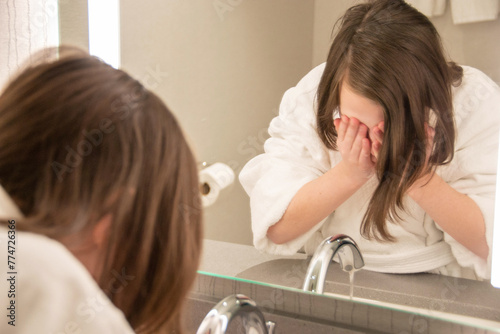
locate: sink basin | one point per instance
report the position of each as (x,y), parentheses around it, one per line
(436,296)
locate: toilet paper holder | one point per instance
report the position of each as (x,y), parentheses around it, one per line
(204,187)
(212,179)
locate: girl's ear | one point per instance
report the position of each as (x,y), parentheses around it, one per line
(100,231)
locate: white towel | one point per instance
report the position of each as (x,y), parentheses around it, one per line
(467,11)
(429,8)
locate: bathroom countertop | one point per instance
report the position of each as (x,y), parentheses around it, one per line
(230,259)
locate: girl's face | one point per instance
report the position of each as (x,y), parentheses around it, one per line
(364,110)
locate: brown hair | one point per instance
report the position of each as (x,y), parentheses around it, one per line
(80,140)
(392,54)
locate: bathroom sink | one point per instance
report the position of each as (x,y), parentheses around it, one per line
(437,296)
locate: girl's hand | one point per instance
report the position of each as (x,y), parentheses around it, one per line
(424,178)
(355,148)
(376,136)
(429,130)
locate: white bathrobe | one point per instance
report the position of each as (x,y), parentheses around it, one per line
(45,289)
(295,155)
(52,292)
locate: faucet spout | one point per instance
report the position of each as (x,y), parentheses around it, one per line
(217,320)
(350,259)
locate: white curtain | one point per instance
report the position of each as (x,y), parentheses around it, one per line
(26,26)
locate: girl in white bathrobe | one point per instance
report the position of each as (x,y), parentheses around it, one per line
(100,215)
(388,143)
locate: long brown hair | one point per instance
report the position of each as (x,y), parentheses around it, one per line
(80,140)
(392,54)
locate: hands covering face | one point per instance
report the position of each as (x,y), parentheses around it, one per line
(358,145)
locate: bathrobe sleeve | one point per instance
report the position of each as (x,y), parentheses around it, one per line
(294,155)
(474,166)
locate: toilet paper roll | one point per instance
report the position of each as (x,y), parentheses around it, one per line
(213,179)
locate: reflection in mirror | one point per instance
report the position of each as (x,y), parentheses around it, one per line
(224,62)
(223,71)
(409,170)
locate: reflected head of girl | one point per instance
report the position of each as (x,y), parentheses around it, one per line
(388,53)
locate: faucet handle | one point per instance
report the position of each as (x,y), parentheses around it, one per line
(218,318)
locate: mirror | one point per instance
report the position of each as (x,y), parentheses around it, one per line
(222,67)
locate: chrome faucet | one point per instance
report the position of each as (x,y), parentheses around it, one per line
(350,259)
(217,320)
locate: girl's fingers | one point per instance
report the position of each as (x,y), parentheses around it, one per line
(377,135)
(381,126)
(341,128)
(376,148)
(357,145)
(430,141)
(377,132)
(430,131)
(351,132)
(365,155)
(336,123)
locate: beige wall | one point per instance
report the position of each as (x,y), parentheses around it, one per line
(223,75)
(326,13)
(74,23)
(473,44)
